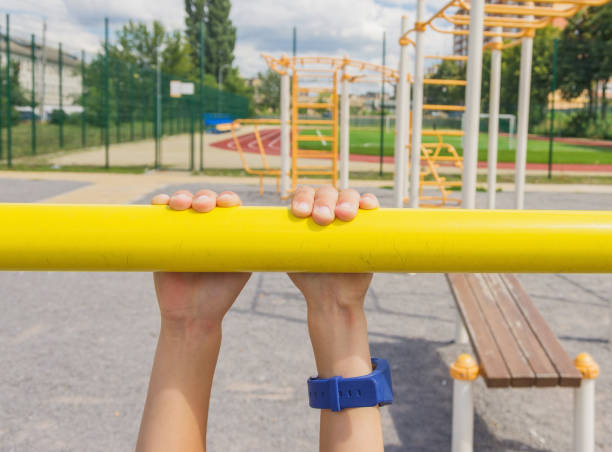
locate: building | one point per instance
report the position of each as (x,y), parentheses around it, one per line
(21,54)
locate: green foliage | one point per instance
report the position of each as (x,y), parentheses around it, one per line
(541,76)
(442,94)
(267,94)
(585,56)
(219,35)
(18,96)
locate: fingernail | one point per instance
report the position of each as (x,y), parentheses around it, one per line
(323,211)
(301,207)
(344,206)
(180,196)
(225,197)
(202,199)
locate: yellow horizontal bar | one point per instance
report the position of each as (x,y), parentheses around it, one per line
(447,57)
(314,138)
(442,81)
(444,107)
(321,105)
(442,132)
(151,238)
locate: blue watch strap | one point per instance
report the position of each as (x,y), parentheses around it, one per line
(337,393)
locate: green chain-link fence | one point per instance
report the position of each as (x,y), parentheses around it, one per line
(56,102)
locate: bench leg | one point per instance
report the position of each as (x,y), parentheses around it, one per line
(461,335)
(584,404)
(463,371)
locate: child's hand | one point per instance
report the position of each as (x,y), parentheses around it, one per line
(195,303)
(325,290)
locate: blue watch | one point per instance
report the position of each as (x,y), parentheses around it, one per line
(337,393)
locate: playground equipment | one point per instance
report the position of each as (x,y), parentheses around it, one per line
(515,22)
(323,74)
(266,170)
(144,238)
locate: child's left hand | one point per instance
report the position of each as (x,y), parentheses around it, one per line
(195,303)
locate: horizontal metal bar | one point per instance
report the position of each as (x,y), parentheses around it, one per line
(444,107)
(442,81)
(152,238)
(320,105)
(314,138)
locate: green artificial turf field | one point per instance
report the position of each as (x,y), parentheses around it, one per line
(367,141)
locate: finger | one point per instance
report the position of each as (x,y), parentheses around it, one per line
(181,200)
(325,205)
(303,200)
(160,199)
(204,201)
(228,199)
(348,204)
(368,201)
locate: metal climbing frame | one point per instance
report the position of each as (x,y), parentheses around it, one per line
(301,68)
(327,103)
(266,170)
(516,23)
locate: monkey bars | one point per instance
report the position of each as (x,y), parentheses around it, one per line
(152,238)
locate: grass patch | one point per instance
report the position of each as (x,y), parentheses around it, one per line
(367,141)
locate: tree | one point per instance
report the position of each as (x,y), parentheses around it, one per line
(541,76)
(267,94)
(585,55)
(444,94)
(219,36)
(195,15)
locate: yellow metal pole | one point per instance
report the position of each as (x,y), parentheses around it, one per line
(147,238)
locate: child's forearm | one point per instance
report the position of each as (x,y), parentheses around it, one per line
(339,336)
(176,409)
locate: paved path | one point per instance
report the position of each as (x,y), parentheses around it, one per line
(76,348)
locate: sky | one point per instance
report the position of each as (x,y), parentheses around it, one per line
(324,27)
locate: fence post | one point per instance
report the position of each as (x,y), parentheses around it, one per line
(106,96)
(33,98)
(9,151)
(158,113)
(118,101)
(83,113)
(61,95)
(191,136)
(131,106)
(201,109)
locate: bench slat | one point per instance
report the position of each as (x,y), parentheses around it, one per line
(520,371)
(492,364)
(568,374)
(544,370)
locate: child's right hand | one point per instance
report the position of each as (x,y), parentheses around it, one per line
(194,304)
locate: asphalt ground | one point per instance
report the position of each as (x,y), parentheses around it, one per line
(76,351)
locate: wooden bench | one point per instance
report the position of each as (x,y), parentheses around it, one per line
(514,345)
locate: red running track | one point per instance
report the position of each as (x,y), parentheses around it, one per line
(270,139)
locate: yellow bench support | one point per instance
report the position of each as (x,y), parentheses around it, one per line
(145,238)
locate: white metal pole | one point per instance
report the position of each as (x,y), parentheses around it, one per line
(494,118)
(584,416)
(344,132)
(584,404)
(463,416)
(285,138)
(463,371)
(417,114)
(523,118)
(401,121)
(472,105)
(461,334)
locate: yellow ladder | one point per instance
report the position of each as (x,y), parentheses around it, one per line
(302,99)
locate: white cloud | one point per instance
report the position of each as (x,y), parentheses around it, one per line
(324,27)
